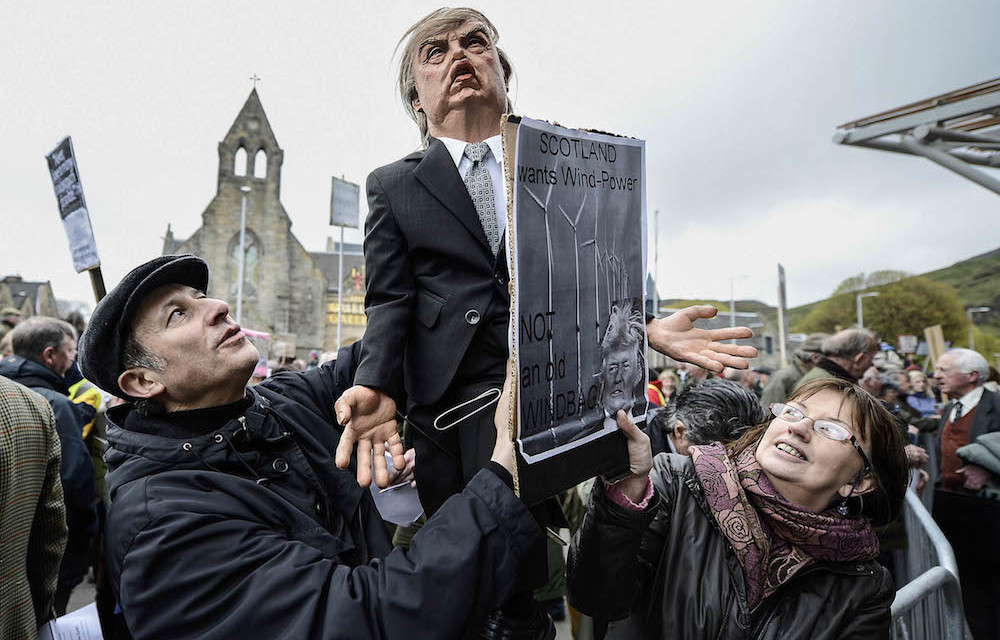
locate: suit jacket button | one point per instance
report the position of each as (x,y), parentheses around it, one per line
(472,316)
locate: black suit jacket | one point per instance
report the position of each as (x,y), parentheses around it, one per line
(985,420)
(430,274)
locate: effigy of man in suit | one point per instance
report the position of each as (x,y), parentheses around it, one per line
(437,298)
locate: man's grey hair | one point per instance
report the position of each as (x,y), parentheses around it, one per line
(967,361)
(713,410)
(435,23)
(849,343)
(31,337)
(135,356)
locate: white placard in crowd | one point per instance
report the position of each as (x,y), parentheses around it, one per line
(344,203)
(72,206)
(907,343)
(82,624)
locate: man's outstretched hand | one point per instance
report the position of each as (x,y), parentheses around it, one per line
(677,337)
(368,417)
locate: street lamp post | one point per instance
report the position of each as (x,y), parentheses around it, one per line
(656,262)
(861,316)
(970,311)
(245,189)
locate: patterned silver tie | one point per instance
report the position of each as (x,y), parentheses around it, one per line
(480,186)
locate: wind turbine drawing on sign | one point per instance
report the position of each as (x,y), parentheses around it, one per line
(612,259)
(548,255)
(576,253)
(597,281)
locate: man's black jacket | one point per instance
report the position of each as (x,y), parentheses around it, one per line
(248,529)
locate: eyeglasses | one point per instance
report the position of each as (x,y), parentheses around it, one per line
(825,428)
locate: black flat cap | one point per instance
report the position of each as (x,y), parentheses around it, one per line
(103,343)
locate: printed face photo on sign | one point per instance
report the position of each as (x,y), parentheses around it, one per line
(623,359)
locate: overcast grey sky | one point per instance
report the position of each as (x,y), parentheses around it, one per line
(738,102)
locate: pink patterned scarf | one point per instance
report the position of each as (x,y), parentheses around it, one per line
(773,538)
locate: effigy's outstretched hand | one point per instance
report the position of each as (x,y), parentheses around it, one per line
(368,417)
(677,337)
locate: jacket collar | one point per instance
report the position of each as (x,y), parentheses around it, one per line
(140,446)
(32,374)
(835,370)
(136,450)
(439,175)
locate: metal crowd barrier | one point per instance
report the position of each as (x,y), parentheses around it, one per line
(929,605)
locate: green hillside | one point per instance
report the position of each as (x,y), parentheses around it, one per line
(976,280)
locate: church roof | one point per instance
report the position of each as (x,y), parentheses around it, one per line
(251,123)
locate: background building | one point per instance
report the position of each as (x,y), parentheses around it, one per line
(353,319)
(32,298)
(285,288)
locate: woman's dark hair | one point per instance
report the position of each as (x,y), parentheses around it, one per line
(876,426)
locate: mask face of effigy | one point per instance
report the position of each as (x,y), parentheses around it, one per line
(456,70)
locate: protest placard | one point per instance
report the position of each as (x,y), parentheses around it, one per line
(578,263)
(72,206)
(344,197)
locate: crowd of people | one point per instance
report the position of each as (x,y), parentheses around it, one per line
(213,500)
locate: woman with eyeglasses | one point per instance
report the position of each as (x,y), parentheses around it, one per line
(765,537)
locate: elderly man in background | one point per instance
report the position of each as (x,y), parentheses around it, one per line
(784,380)
(847,355)
(32,514)
(963,506)
(44,350)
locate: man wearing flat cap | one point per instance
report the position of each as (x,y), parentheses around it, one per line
(229,516)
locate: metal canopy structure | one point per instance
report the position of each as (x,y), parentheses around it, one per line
(959,130)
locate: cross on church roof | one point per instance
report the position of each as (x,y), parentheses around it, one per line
(255,79)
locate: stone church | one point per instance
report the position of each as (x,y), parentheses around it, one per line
(288,292)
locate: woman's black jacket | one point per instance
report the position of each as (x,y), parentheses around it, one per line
(668,572)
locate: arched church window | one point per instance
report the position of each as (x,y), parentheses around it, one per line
(240,162)
(260,165)
(251,266)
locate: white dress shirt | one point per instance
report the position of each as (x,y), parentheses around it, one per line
(969,402)
(494,164)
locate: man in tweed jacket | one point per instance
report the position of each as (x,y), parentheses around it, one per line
(32,514)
